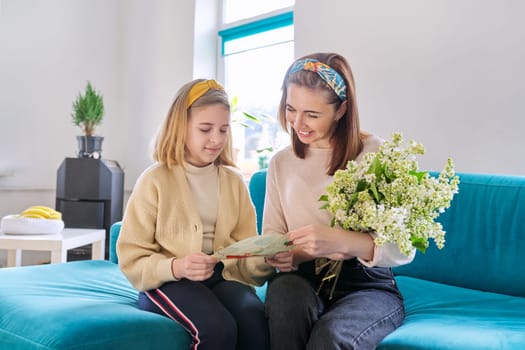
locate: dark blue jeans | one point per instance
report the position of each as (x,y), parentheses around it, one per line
(354,319)
(218,314)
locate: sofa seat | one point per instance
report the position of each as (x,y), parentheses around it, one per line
(469,295)
(440,316)
(82,305)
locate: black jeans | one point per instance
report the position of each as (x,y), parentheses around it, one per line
(218,314)
(365,307)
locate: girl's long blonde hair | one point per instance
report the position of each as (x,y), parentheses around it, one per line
(170,145)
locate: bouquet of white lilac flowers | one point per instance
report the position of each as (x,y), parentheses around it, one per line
(387,194)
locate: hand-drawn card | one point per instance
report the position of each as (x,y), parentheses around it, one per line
(263,245)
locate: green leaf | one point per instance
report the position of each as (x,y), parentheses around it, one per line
(243,124)
(378,196)
(233,103)
(377,168)
(419,243)
(389,176)
(362,185)
(418,174)
(267,116)
(251,117)
(352,200)
(260,150)
(323,198)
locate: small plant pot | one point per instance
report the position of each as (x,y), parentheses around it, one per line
(90,146)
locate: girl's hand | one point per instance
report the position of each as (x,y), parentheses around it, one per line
(282,261)
(319,241)
(195,267)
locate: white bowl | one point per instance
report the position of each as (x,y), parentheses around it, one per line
(19,225)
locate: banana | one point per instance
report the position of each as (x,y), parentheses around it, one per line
(35,211)
(55,216)
(41,212)
(32,216)
(43,207)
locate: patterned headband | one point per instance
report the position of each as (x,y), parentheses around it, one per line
(327,73)
(200,89)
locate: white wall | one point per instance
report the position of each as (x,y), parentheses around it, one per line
(447,73)
(48,51)
(156,59)
(136,52)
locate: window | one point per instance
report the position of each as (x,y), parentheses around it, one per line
(236,10)
(255,53)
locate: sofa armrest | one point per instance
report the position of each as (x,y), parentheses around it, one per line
(257,186)
(113,236)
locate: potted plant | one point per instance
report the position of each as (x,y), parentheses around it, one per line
(241,119)
(88,110)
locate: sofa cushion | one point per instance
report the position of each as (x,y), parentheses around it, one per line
(485,238)
(78,305)
(442,317)
(114,232)
(257,186)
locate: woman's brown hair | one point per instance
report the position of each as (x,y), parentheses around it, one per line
(347,140)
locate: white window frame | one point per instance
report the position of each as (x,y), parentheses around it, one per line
(248,27)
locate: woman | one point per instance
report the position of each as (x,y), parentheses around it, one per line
(309,305)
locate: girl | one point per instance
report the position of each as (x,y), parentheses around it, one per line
(184,207)
(308,307)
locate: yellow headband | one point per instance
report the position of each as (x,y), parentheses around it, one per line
(200,89)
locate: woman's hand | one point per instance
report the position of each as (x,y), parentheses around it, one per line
(319,241)
(282,261)
(195,267)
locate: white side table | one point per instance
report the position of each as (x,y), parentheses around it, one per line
(57,244)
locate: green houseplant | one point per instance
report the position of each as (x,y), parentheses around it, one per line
(248,120)
(88,111)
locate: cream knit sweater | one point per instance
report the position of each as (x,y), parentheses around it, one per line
(293,188)
(162,222)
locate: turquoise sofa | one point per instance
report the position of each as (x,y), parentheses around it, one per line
(470,295)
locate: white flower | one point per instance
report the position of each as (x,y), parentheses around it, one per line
(386,193)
